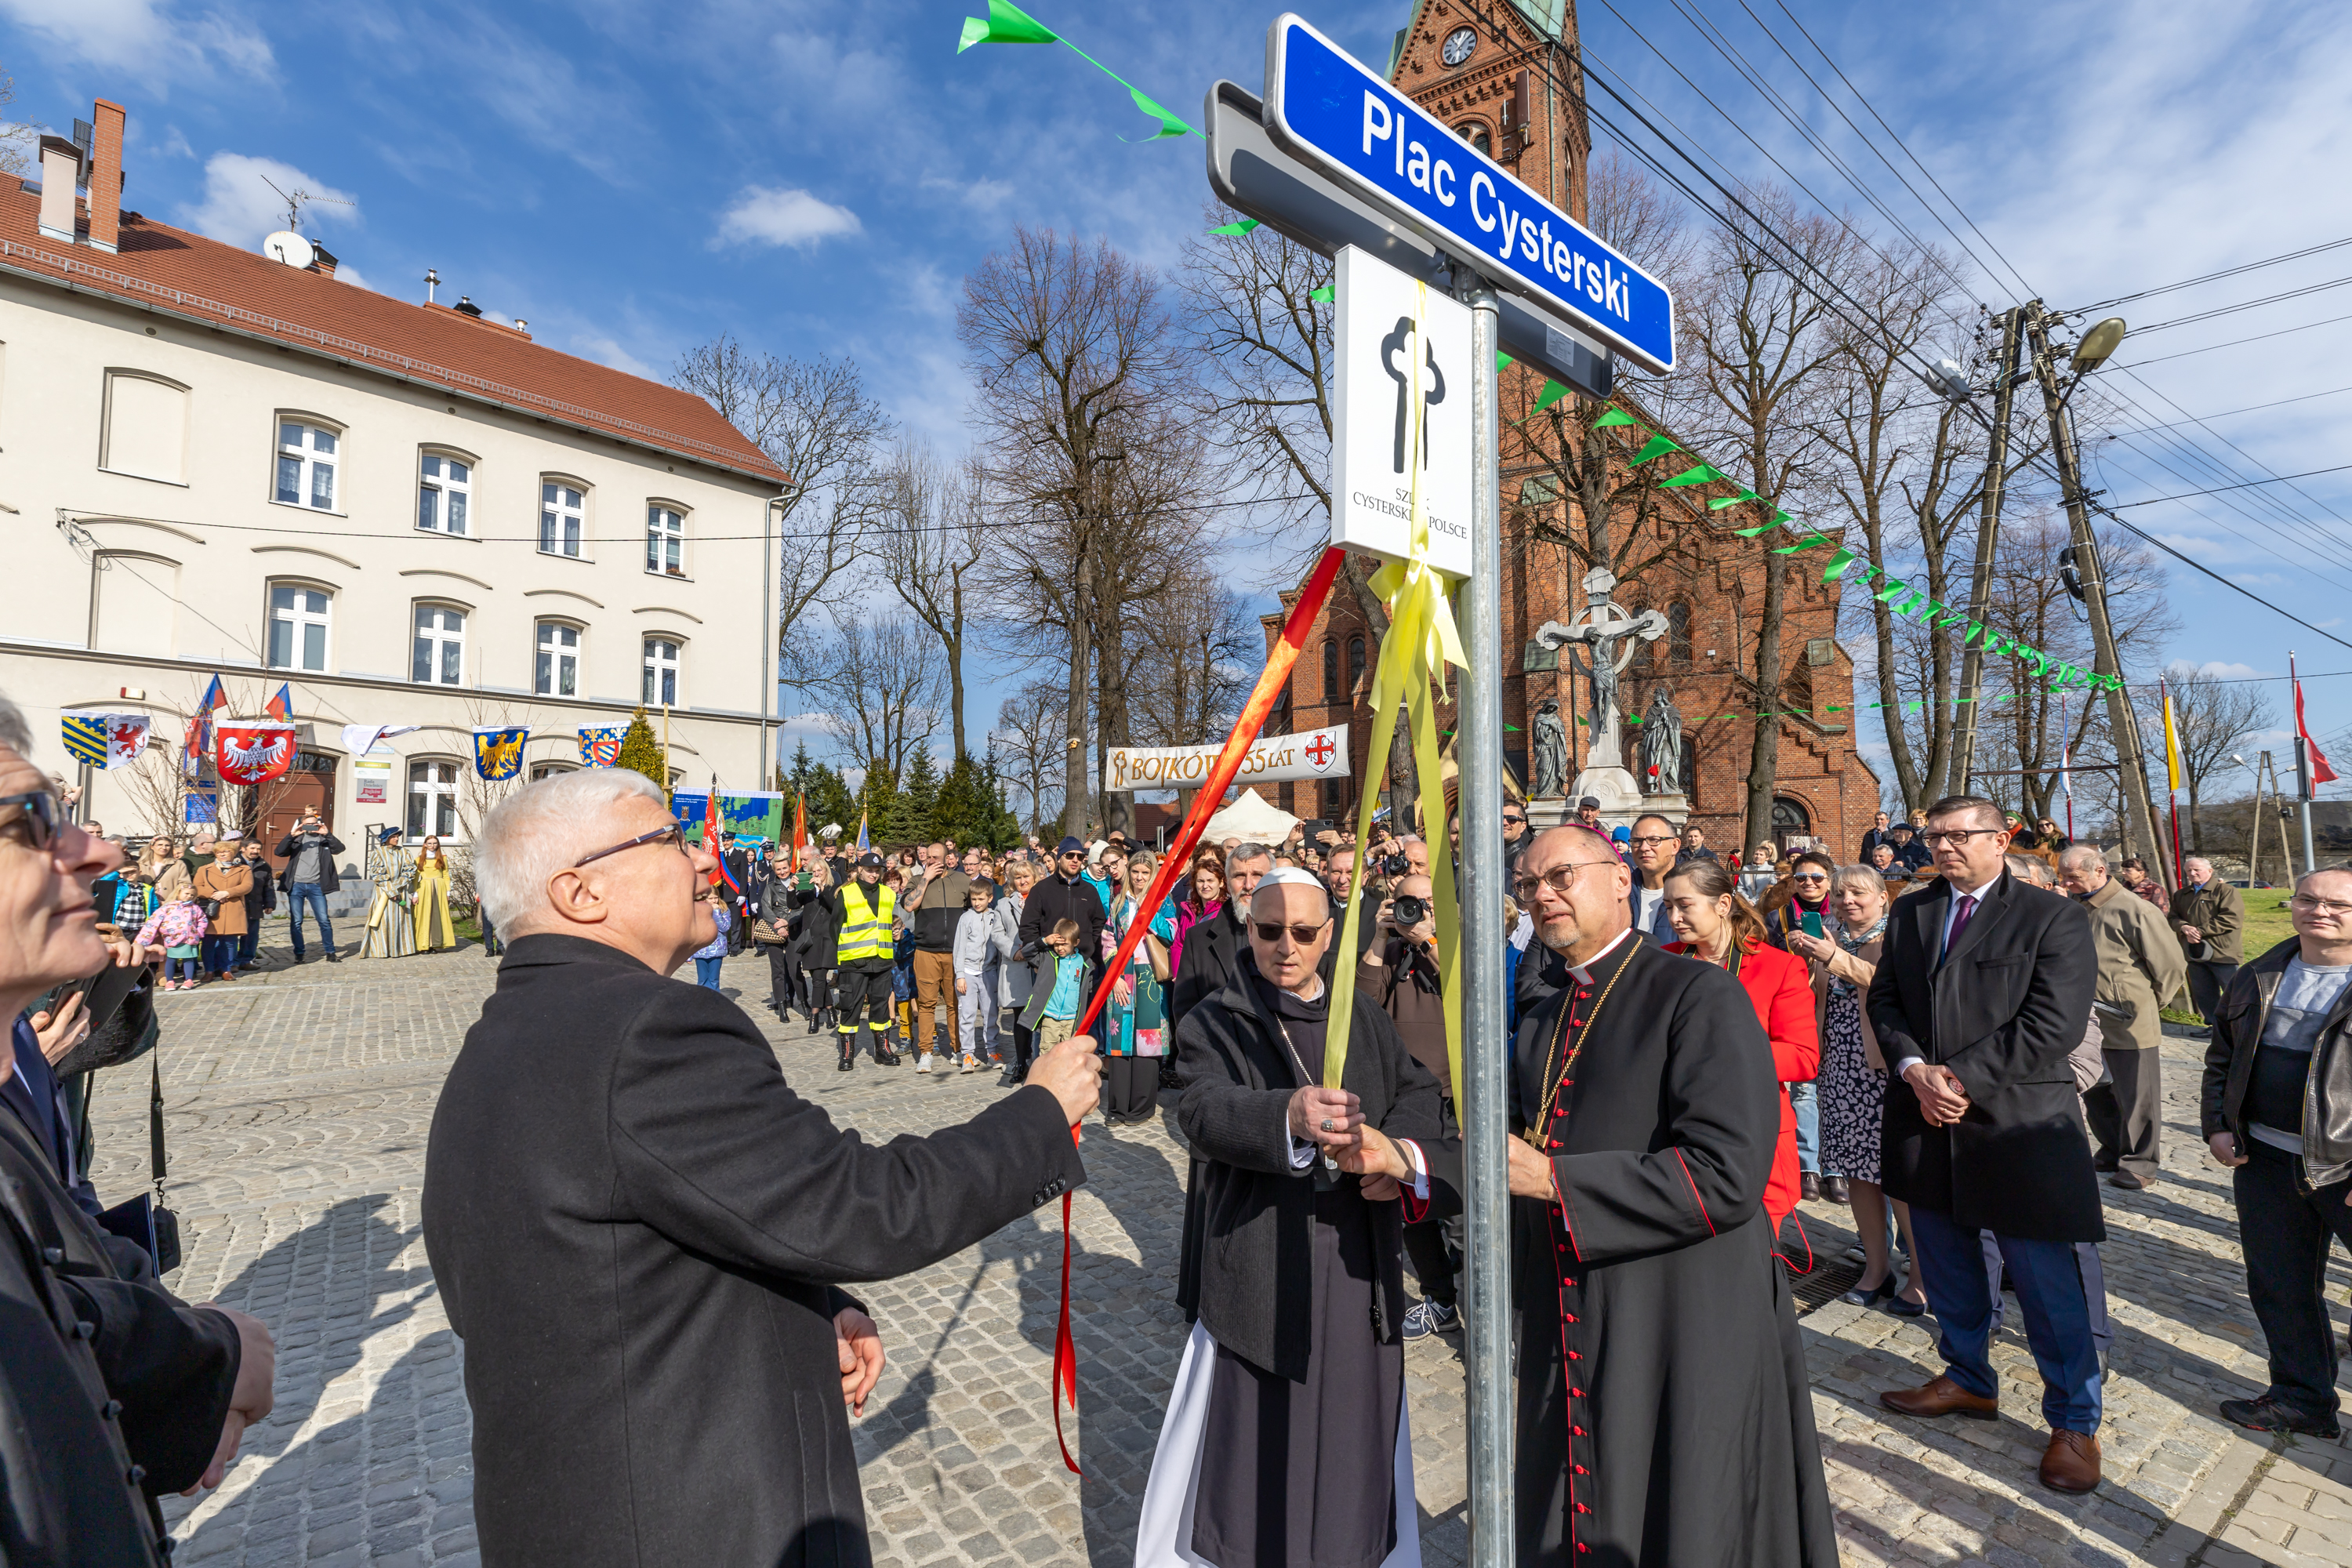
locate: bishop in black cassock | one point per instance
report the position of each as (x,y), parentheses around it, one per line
(1663,1416)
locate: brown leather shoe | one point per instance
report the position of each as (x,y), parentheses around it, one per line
(1941,1397)
(2071,1462)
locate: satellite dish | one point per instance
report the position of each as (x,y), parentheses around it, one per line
(289,248)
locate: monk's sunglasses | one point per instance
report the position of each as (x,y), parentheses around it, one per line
(672,834)
(1271,931)
(36,819)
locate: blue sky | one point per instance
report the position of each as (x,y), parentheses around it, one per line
(635,178)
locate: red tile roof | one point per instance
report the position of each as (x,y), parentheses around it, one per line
(187,275)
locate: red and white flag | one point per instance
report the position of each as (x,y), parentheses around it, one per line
(252,751)
(2320,772)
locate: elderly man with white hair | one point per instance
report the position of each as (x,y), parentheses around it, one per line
(2140,966)
(641,1232)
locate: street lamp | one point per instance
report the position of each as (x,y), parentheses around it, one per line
(2097,344)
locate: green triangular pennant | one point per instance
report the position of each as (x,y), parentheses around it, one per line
(1698,476)
(1658,447)
(1168,124)
(1237,227)
(1614,416)
(1502,363)
(1552,393)
(1006,24)
(1322,296)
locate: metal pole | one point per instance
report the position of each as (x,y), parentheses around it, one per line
(2141,832)
(1964,720)
(1485,1044)
(767,639)
(2254,835)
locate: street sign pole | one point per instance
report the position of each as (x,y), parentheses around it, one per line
(1486,1042)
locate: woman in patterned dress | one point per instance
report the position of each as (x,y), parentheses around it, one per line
(1853,1083)
(391,933)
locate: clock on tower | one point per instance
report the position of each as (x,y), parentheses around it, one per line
(1459,46)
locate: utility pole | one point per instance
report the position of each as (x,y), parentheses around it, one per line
(2140,808)
(1971,693)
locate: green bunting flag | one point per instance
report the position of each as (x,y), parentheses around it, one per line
(1552,393)
(1658,447)
(1719,502)
(1701,475)
(1237,228)
(1614,416)
(1008,24)
(1322,296)
(1502,363)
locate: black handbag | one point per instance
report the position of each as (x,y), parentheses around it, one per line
(144,1219)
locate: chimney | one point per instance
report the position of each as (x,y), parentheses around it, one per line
(106,177)
(61,158)
(323,261)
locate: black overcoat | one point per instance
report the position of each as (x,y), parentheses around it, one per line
(2002,1011)
(1664,1416)
(1254,1276)
(640,1231)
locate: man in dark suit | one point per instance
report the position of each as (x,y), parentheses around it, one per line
(1986,985)
(1212,948)
(641,1232)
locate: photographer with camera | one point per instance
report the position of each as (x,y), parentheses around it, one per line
(1400,973)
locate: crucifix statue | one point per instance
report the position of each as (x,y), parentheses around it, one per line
(1609,630)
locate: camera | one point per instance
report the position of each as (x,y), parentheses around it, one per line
(1407,912)
(1395,866)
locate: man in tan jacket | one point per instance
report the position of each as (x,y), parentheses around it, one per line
(2140,967)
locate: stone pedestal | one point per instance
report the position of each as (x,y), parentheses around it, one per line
(1620,802)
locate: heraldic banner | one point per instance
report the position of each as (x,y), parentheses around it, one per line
(601,748)
(252,750)
(497,753)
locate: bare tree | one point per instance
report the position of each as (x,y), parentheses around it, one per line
(930,551)
(1078,370)
(876,687)
(2214,718)
(1764,351)
(814,420)
(1031,726)
(1199,666)
(17,141)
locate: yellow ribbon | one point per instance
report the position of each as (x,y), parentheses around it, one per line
(1421,641)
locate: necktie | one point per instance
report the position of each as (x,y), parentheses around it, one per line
(1960,922)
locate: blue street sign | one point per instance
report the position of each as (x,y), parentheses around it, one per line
(1325,108)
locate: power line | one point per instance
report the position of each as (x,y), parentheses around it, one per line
(2246,305)
(2210,277)
(2233,343)
(2229,412)
(2248,484)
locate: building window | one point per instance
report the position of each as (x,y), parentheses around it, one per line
(298,628)
(1355,665)
(661,672)
(439,657)
(1790,819)
(561,512)
(1475,134)
(443,494)
(549,769)
(432,798)
(557,672)
(1678,643)
(664,540)
(307,455)
(1331,670)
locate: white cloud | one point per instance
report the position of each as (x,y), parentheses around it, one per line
(239,206)
(2219,669)
(175,145)
(605,350)
(766,216)
(149,41)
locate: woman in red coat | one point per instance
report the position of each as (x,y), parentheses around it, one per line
(1717,925)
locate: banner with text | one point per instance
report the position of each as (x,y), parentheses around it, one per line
(1272,759)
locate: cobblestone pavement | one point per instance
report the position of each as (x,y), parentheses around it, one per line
(298,1102)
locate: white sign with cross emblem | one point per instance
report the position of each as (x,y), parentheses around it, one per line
(1272,759)
(1378,436)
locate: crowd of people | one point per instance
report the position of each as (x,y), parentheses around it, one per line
(628,1209)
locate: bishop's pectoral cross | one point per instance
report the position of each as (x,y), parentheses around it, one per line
(1432,389)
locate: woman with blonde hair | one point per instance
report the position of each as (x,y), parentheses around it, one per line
(435,929)
(1135,1031)
(1853,1080)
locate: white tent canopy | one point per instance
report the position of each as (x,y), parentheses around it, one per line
(1248,816)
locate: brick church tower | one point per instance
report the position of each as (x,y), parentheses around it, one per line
(1707,582)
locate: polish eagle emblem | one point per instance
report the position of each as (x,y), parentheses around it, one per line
(253,754)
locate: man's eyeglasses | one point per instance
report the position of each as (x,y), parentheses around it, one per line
(1560,878)
(1958,838)
(1652,840)
(2305,904)
(674,835)
(1304,936)
(37,814)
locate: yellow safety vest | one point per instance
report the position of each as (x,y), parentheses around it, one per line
(865,930)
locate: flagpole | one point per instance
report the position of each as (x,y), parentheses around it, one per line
(2067,761)
(2303,769)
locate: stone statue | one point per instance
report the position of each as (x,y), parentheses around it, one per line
(1550,756)
(1610,632)
(1662,746)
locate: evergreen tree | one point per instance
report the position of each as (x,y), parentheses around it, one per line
(641,752)
(878,800)
(920,798)
(830,801)
(971,809)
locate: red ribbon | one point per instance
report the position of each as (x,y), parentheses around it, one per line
(1262,698)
